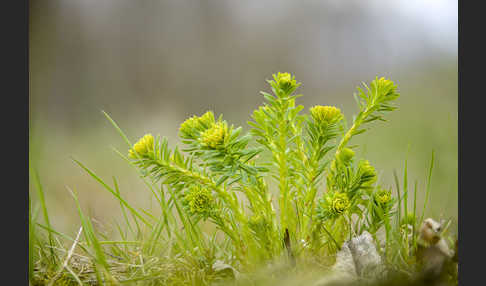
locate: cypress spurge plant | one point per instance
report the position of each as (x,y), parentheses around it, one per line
(218,175)
(290,188)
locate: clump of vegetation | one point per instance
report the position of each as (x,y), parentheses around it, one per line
(283,197)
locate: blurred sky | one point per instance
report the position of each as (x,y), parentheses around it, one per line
(151,64)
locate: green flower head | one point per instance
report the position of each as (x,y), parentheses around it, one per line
(325,114)
(333,205)
(206,120)
(214,137)
(193,126)
(189,126)
(199,200)
(368,173)
(345,155)
(143,147)
(285,81)
(386,86)
(340,203)
(383,197)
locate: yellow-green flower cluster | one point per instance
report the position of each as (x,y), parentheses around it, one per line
(340,203)
(143,147)
(214,137)
(285,81)
(387,86)
(200,200)
(333,205)
(193,126)
(188,125)
(383,197)
(368,173)
(325,114)
(205,130)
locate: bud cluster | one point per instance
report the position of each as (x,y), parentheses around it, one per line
(199,200)
(143,147)
(333,204)
(215,136)
(193,126)
(325,114)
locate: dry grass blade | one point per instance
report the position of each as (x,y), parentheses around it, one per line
(68,257)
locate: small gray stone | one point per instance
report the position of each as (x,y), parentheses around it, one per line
(367,260)
(343,271)
(223,268)
(358,259)
(345,261)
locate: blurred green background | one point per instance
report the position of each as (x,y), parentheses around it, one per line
(151,64)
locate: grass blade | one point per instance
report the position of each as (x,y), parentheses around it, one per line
(414,214)
(40,192)
(92,240)
(68,257)
(428,186)
(405,197)
(405,186)
(117,129)
(122,207)
(399,213)
(92,174)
